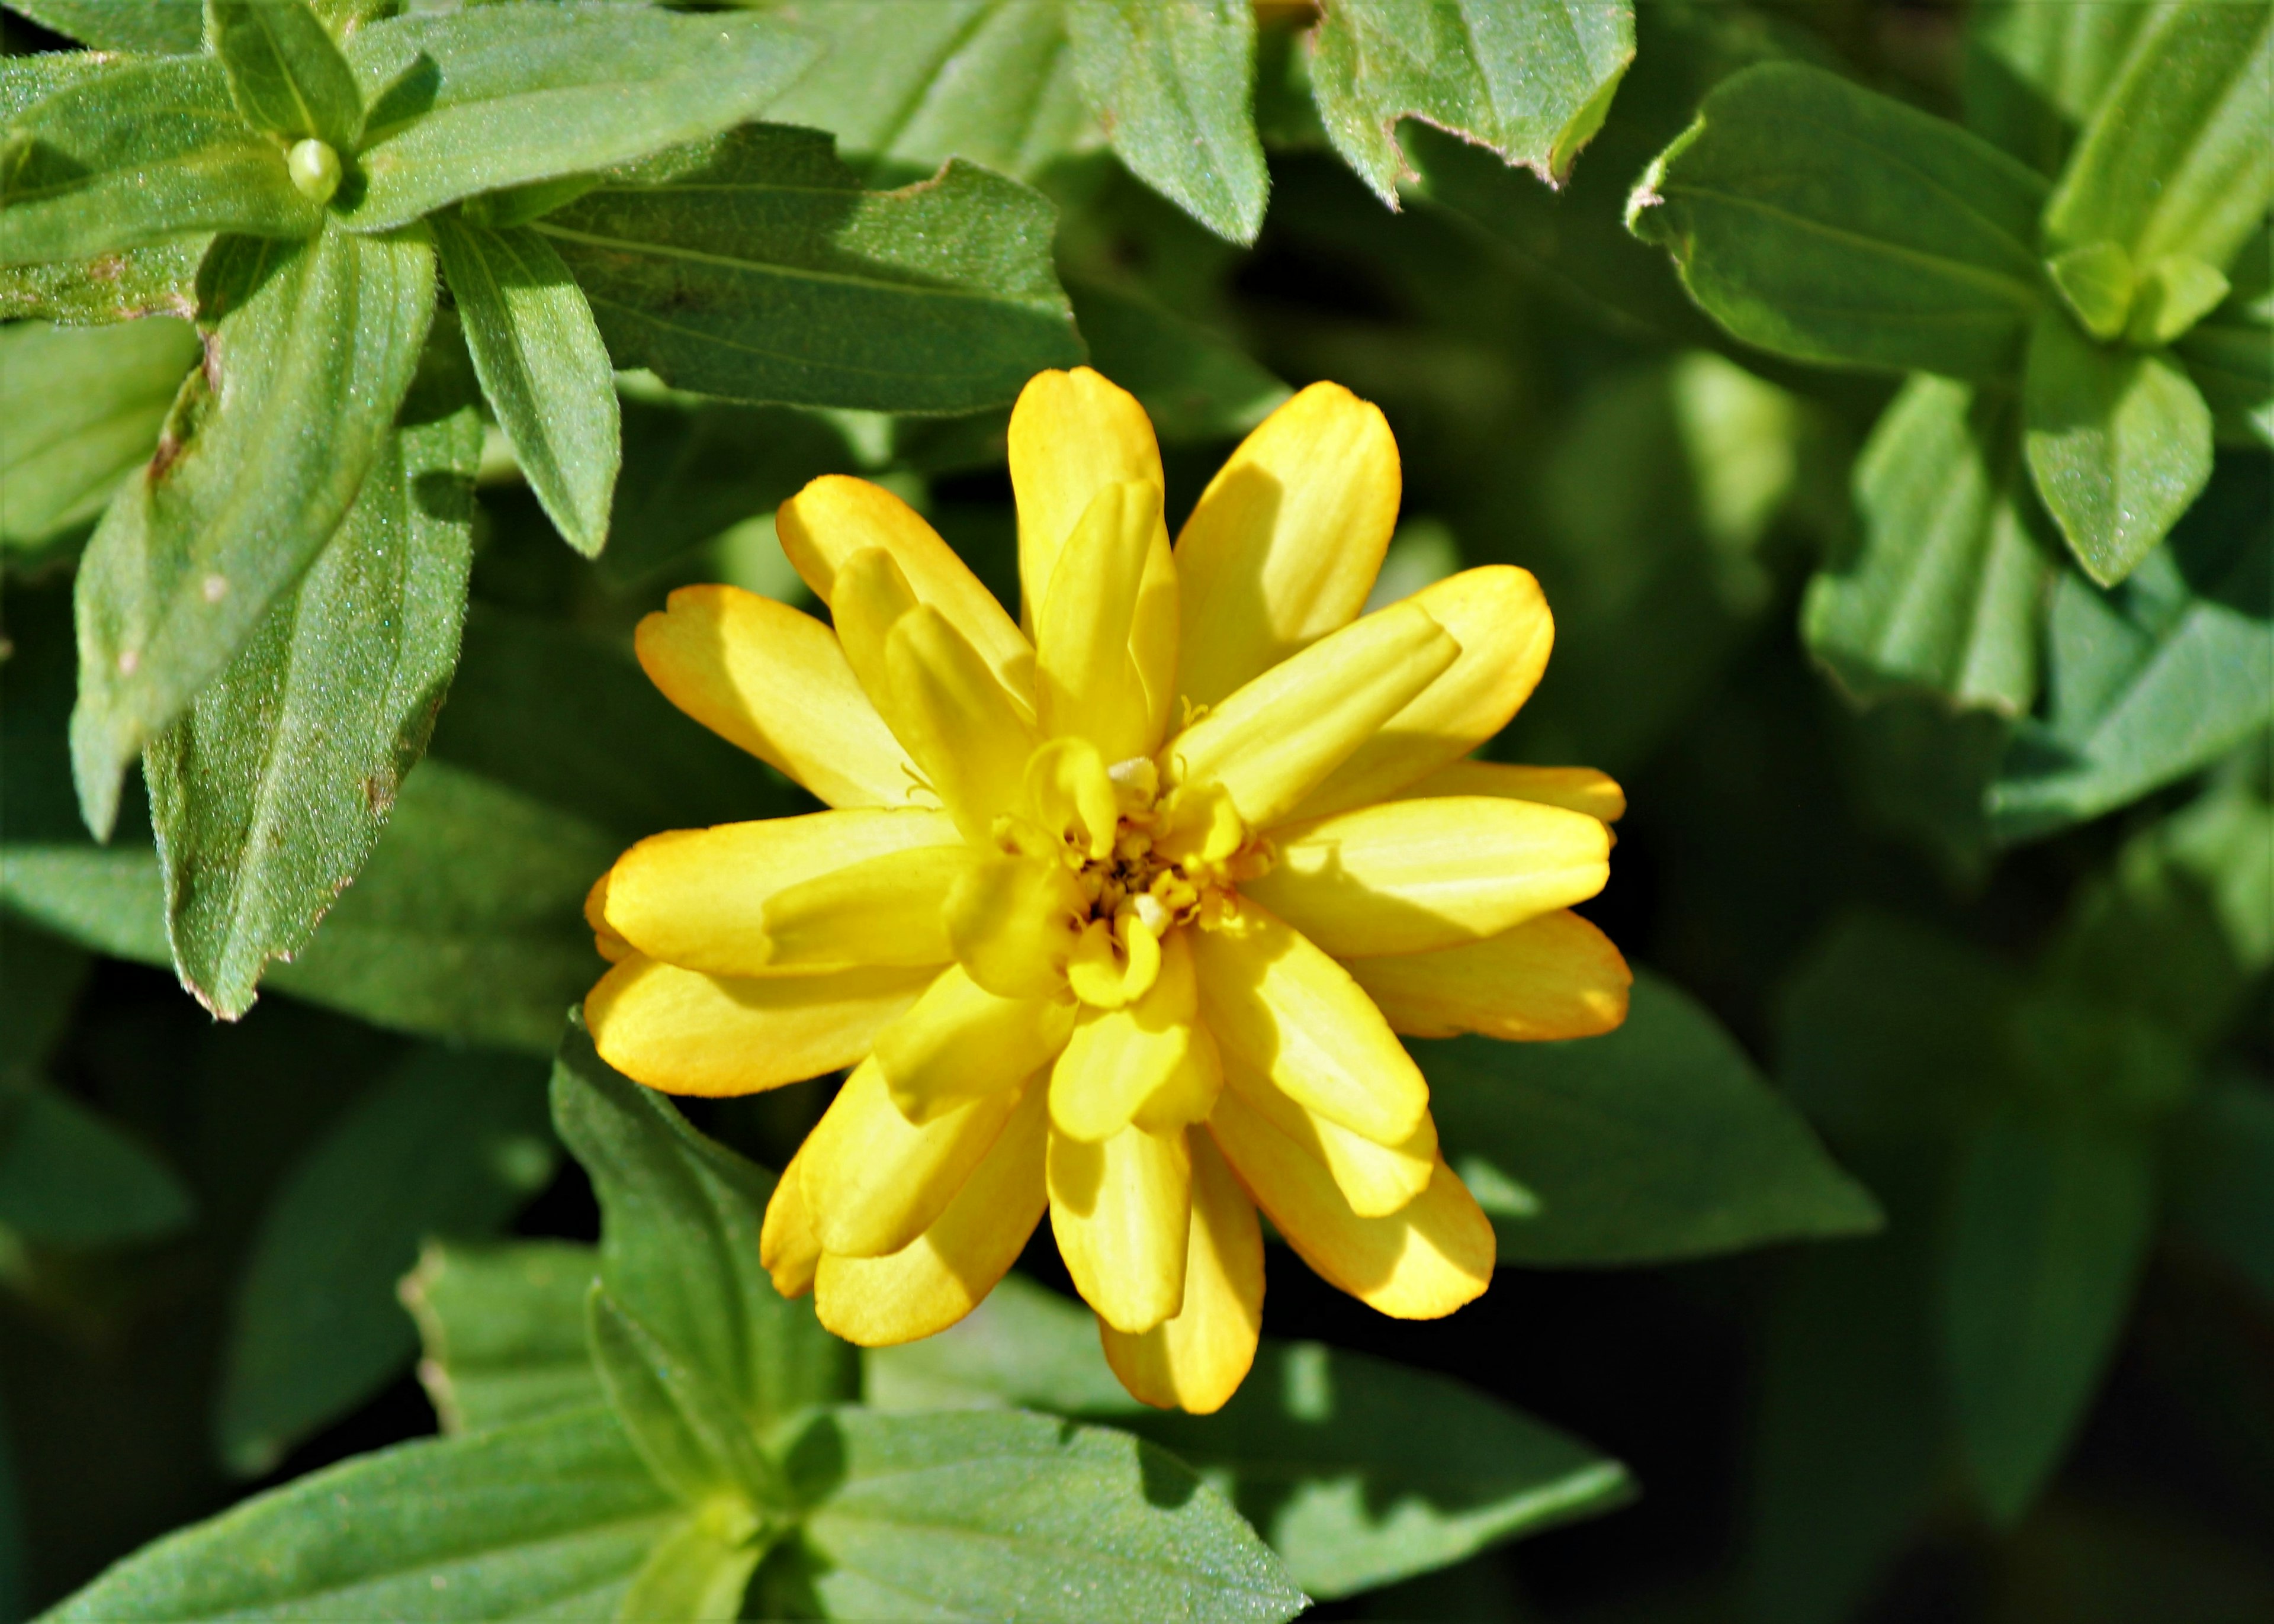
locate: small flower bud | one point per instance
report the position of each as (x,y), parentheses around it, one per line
(315,169)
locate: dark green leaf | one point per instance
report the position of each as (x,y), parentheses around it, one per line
(157,280)
(1174,87)
(1194,385)
(503,95)
(145,151)
(451,1143)
(69,1178)
(2119,443)
(1948,585)
(2178,156)
(162,27)
(311,348)
(270,791)
(2233,364)
(15,1557)
(2222,1175)
(550,1518)
(503,1327)
(1659,1140)
(680,1221)
(694,1439)
(288,75)
(543,367)
(2035,70)
(1532,82)
(1002,1515)
(767,274)
(40,979)
(83,408)
(2049,1227)
(1822,221)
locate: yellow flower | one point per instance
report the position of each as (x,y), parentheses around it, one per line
(1118,911)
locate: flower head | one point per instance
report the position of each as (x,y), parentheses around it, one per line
(1119,909)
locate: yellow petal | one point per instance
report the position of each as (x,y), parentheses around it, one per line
(1375,1179)
(1015,922)
(1114,964)
(889,909)
(686,1033)
(788,1247)
(966,736)
(1086,681)
(697,897)
(1121,1209)
(1500,621)
(835,518)
(1285,542)
(1071,799)
(1197,1360)
(774,681)
(944,1273)
(1275,1000)
(1272,742)
(873,1181)
(960,1042)
(1554,977)
(1120,1062)
(1406,877)
(1580,789)
(1071,435)
(611,946)
(1420,1262)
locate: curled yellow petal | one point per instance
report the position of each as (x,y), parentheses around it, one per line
(788,1249)
(1406,877)
(889,909)
(1275,1000)
(1015,922)
(960,1042)
(1197,1359)
(1114,963)
(697,897)
(873,1181)
(1088,684)
(1284,544)
(1375,1179)
(686,1033)
(1273,741)
(1579,789)
(611,946)
(1420,1262)
(1121,1208)
(1555,976)
(944,1273)
(1147,1057)
(1500,619)
(775,682)
(957,721)
(1071,435)
(1071,799)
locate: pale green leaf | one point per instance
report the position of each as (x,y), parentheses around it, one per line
(269,792)
(1656,1141)
(1174,86)
(309,349)
(142,152)
(2117,440)
(157,280)
(69,1178)
(766,274)
(162,28)
(451,1143)
(26,81)
(2229,353)
(2222,1175)
(1824,223)
(543,367)
(1531,80)
(2035,70)
(547,1520)
(503,95)
(1947,586)
(694,1574)
(83,408)
(287,73)
(695,1440)
(2178,156)
(502,1330)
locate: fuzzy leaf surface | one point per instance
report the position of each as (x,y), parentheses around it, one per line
(288,75)
(158,27)
(502,1328)
(83,409)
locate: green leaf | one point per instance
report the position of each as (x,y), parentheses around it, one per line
(448,1142)
(680,1220)
(992,1515)
(2118,442)
(542,367)
(2100,284)
(287,74)
(2178,156)
(142,152)
(2221,1176)
(767,274)
(503,95)
(2155,679)
(83,409)
(1532,82)
(1174,86)
(41,981)
(1945,591)
(2229,353)
(311,348)
(2035,70)
(553,1517)
(162,28)
(695,1572)
(1194,385)
(270,791)
(1824,223)
(1659,1140)
(69,1178)
(2050,1224)
(157,280)
(502,1329)
(695,1440)
(1025,1347)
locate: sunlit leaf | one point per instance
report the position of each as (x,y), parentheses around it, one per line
(173,27)
(502,1329)
(2035,70)
(83,408)
(288,75)
(693,1438)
